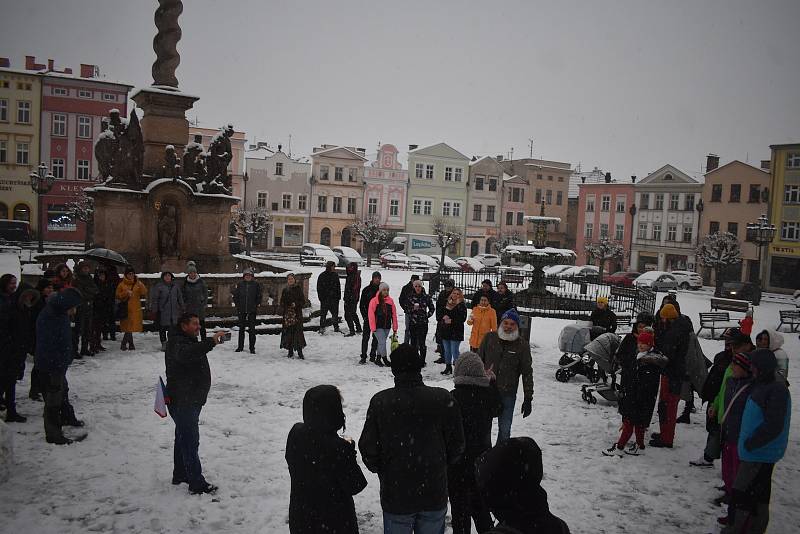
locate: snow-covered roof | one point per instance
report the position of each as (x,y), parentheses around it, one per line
(471,163)
(541,218)
(161,90)
(83,79)
(528,249)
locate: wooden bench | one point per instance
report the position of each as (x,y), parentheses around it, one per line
(730,305)
(791,318)
(715,321)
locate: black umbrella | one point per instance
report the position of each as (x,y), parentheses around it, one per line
(107,255)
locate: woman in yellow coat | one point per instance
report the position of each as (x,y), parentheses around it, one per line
(130,290)
(483,320)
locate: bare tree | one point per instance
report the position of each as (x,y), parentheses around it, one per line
(372,234)
(447,235)
(603,251)
(82,208)
(251,223)
(719,251)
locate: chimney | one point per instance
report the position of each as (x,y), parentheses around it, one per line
(30,64)
(280,147)
(87,71)
(5,63)
(712,162)
(499,157)
(608,177)
(633,179)
(361,150)
(765,164)
(583,179)
(412,147)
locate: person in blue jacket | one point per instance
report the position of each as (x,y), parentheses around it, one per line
(763,436)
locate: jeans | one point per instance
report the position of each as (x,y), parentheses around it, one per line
(248,321)
(418,523)
(350,316)
(418,334)
(381,334)
(331,306)
(366,335)
(407,329)
(451,350)
(506,417)
(187,440)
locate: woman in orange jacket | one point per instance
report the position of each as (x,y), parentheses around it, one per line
(483,320)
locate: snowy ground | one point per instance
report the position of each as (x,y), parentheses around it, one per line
(118,479)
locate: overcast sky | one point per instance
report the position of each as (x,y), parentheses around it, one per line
(625,85)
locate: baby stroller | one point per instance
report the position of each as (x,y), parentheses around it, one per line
(572,343)
(602,351)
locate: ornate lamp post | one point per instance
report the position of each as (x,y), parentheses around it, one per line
(761,233)
(632,210)
(699,207)
(42,181)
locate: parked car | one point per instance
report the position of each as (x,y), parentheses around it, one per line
(449,263)
(394,259)
(423,261)
(347,256)
(621,278)
(580,272)
(553,270)
(489,260)
(688,279)
(14,231)
(316,254)
(657,281)
(470,265)
(742,291)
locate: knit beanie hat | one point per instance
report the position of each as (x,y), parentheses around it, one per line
(405,359)
(742,360)
(191,267)
(646,338)
(377,275)
(469,370)
(602,300)
(248,270)
(511,314)
(669,312)
(383,286)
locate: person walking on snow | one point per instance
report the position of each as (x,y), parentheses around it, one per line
(247,298)
(382,318)
(329,292)
(405,292)
(421,309)
(483,320)
(292,302)
(451,328)
(508,356)
(352,290)
(367,294)
(166,305)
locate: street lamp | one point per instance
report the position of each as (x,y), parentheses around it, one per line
(761,233)
(41,182)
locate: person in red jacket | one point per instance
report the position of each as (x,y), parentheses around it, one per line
(746,324)
(382,315)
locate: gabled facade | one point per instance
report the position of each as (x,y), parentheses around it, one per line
(385,189)
(483,206)
(515,206)
(438,176)
(337,194)
(666,223)
(784,252)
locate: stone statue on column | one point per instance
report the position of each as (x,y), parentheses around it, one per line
(165,43)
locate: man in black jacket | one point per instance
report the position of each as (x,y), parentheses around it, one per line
(411,434)
(188,383)
(247,297)
(367,294)
(485,291)
(405,293)
(352,290)
(329,292)
(672,340)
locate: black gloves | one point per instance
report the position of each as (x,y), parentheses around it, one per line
(526,407)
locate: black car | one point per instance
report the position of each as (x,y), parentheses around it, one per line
(742,291)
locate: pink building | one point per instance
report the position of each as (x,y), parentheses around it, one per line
(385,186)
(515,205)
(604,211)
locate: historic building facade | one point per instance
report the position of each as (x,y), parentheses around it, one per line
(604,212)
(515,204)
(484,214)
(385,189)
(784,252)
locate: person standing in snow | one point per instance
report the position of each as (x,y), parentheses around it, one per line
(292,302)
(478,403)
(421,309)
(131,291)
(451,321)
(406,291)
(323,468)
(247,298)
(412,432)
(16,329)
(352,290)
(102,308)
(483,320)
(45,288)
(329,292)
(188,384)
(485,291)
(508,356)
(746,324)
(672,340)
(82,333)
(773,340)
(603,317)
(382,319)
(166,305)
(62,278)
(509,479)
(505,300)
(441,301)
(195,295)
(367,294)
(763,437)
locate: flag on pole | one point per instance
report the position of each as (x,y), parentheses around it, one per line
(160,405)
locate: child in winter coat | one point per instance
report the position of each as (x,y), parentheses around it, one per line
(746,324)
(773,340)
(483,320)
(382,318)
(640,399)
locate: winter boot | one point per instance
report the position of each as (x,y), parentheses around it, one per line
(448,370)
(684,418)
(252,350)
(614,450)
(239,349)
(208,488)
(113,336)
(300,354)
(13,417)
(124,345)
(350,334)
(377,361)
(634,450)
(658,443)
(291,354)
(105,336)
(59,440)
(702,462)
(363,359)
(440,360)
(386,361)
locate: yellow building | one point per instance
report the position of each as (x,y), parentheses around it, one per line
(784,252)
(20,98)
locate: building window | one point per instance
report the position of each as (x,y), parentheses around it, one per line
(605,203)
(417,207)
(429,172)
(517,194)
(418,169)
(736,192)
(352,175)
(338,174)
(22,153)
(672,232)
(793,161)
(659,201)
(261,199)
(109,97)
(3,109)
(445,208)
(59,91)
(394,208)
(642,231)
(674,202)
(548,196)
(550,178)
(23,112)
(325,237)
(476,212)
(492,183)
(458,174)
(489,213)
(286,201)
(351,206)
(733,227)
(22,212)
(322,204)
(538,196)
(689,203)
(372,206)
(790,230)
(83,169)
(509,218)
(559,198)
(520,220)
(657,232)
(791,194)
(619,232)
(603,230)
(713,227)
(292,235)
(84,93)
(590,203)
(479,183)
(57,167)
(59,219)
(755,194)
(644,201)
(84,127)
(59,124)
(427,207)
(278,168)
(716,193)
(589,231)
(301,202)
(620,205)
(323,172)
(560,179)
(448,174)
(3,153)
(337,204)
(687,234)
